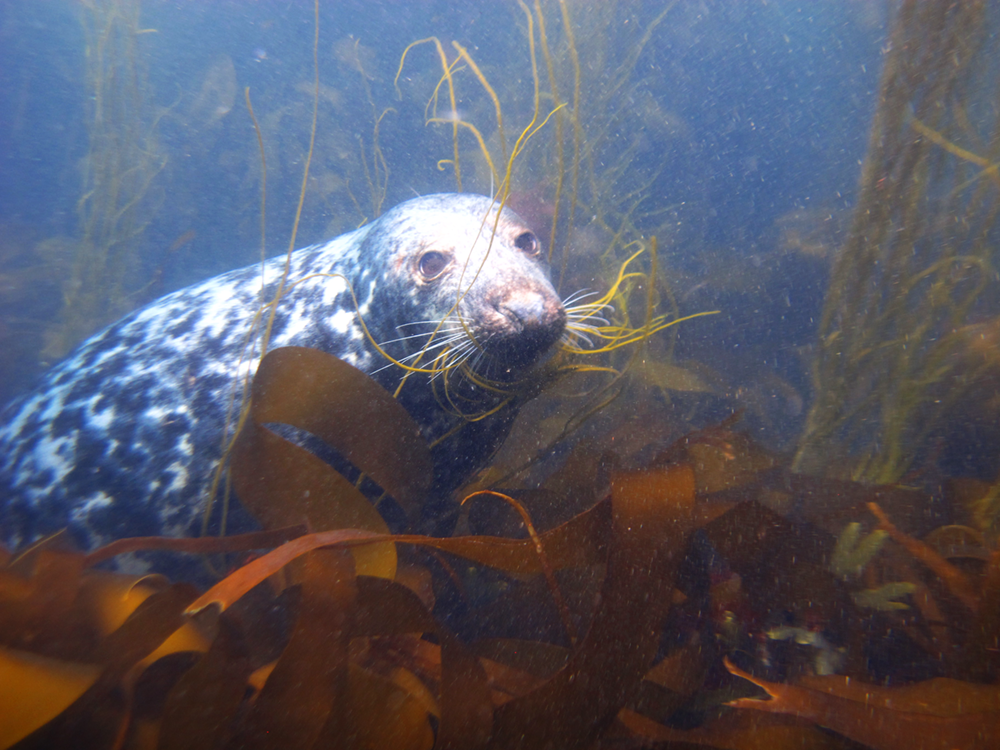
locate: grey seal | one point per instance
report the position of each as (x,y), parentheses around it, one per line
(122,438)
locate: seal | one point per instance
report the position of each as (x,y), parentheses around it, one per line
(123,437)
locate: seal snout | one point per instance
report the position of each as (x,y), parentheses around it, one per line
(527,323)
(530,311)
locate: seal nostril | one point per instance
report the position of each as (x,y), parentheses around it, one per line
(527,310)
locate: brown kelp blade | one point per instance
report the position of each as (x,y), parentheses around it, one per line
(313,697)
(873,718)
(957,582)
(208,545)
(282,484)
(304,697)
(580,541)
(199,709)
(343,407)
(647,519)
(652,514)
(384,715)
(39,688)
(754,731)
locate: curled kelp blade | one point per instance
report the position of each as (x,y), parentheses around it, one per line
(365,657)
(304,697)
(640,532)
(207,545)
(198,709)
(350,412)
(652,513)
(316,697)
(581,541)
(935,715)
(281,483)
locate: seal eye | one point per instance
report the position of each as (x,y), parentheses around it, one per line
(432,264)
(527,243)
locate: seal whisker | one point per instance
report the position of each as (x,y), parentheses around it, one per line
(482,354)
(460,352)
(583,312)
(383,367)
(423,335)
(449,360)
(454,358)
(589,308)
(424,350)
(436,345)
(577,296)
(578,320)
(450,319)
(572,337)
(478,359)
(588,327)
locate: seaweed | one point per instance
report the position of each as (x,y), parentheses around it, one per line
(604,605)
(890,368)
(331,632)
(310,695)
(120,192)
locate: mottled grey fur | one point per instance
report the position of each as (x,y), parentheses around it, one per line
(122,438)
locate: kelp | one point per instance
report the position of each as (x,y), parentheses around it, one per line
(308,696)
(592,343)
(319,637)
(936,715)
(313,493)
(912,275)
(120,194)
(674,584)
(603,332)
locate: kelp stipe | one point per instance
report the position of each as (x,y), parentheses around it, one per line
(120,193)
(891,366)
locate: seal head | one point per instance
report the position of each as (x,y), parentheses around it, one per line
(461,277)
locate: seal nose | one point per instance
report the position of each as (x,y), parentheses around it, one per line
(525,323)
(534,312)
(526,309)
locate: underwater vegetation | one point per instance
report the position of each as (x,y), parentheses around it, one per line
(615,581)
(120,194)
(606,330)
(918,268)
(610,629)
(572,158)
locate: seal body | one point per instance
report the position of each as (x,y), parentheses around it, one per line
(123,437)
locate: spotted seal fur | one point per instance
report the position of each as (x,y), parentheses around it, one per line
(122,438)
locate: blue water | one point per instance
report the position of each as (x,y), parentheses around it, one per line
(769,106)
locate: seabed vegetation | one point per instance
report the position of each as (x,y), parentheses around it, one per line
(611,582)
